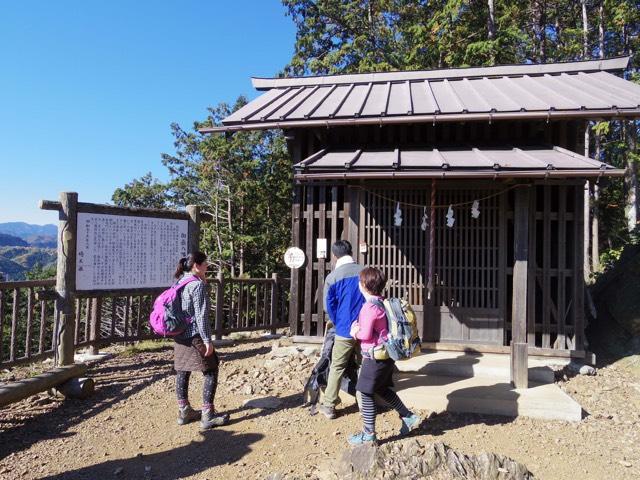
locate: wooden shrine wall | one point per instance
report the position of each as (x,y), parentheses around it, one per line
(471,300)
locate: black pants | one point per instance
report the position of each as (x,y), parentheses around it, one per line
(208,389)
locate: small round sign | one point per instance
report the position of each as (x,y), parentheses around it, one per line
(294,257)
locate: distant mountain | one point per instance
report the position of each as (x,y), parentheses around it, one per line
(10,270)
(25,230)
(26,235)
(16,261)
(12,241)
(42,241)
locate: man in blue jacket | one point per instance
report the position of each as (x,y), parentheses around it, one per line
(342,302)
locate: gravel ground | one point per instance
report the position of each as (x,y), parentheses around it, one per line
(127,429)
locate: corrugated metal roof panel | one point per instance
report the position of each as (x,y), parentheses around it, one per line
(612,97)
(510,92)
(420,159)
(608,82)
(332,103)
(375,159)
(400,99)
(354,101)
(530,159)
(376,103)
(423,99)
(255,106)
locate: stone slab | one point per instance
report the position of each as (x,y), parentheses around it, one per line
(461,364)
(486,395)
(88,358)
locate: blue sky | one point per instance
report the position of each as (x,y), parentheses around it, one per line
(88,89)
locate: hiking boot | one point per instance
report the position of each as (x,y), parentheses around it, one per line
(410,423)
(329,412)
(212,419)
(362,438)
(187,414)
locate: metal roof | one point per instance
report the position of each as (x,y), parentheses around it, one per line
(467,163)
(577,89)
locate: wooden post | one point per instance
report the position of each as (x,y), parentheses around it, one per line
(519,352)
(94,331)
(578,275)
(66,277)
(294,302)
(352,220)
(219,306)
(275,302)
(193,242)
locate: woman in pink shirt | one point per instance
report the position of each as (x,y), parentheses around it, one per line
(375,376)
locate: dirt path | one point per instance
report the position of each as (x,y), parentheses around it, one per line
(127,429)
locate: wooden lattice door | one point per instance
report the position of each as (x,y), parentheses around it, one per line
(467,302)
(401,252)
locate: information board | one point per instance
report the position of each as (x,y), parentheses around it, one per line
(120,252)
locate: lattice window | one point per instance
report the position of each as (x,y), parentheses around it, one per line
(467,254)
(400,252)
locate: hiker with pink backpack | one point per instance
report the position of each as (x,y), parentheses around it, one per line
(376,338)
(182,312)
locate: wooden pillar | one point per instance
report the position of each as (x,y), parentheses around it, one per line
(578,268)
(275,302)
(193,242)
(519,352)
(296,224)
(66,277)
(94,332)
(352,217)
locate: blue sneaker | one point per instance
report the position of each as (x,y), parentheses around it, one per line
(410,423)
(362,438)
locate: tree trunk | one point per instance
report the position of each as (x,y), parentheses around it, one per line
(491,21)
(543,33)
(241,249)
(491,28)
(585,30)
(601,30)
(232,263)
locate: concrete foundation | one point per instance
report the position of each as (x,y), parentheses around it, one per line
(479,383)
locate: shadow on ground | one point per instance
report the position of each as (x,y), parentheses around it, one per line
(117,379)
(216,447)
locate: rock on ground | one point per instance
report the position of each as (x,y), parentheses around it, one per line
(414,458)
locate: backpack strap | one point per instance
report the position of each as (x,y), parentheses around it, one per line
(180,285)
(377,303)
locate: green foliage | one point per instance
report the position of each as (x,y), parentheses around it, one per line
(609,257)
(243,184)
(40,272)
(145,192)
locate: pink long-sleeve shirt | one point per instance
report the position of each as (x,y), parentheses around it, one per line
(373,326)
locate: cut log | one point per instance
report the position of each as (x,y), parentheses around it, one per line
(76,388)
(16,391)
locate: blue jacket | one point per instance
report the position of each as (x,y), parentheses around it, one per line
(342,297)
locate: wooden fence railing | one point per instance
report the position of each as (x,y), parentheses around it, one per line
(28,315)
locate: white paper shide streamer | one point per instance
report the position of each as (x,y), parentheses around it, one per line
(425,220)
(475,209)
(397,216)
(450,218)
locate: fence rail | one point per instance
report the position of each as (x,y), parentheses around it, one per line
(28,315)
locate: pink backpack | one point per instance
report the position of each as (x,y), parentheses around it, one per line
(167,317)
